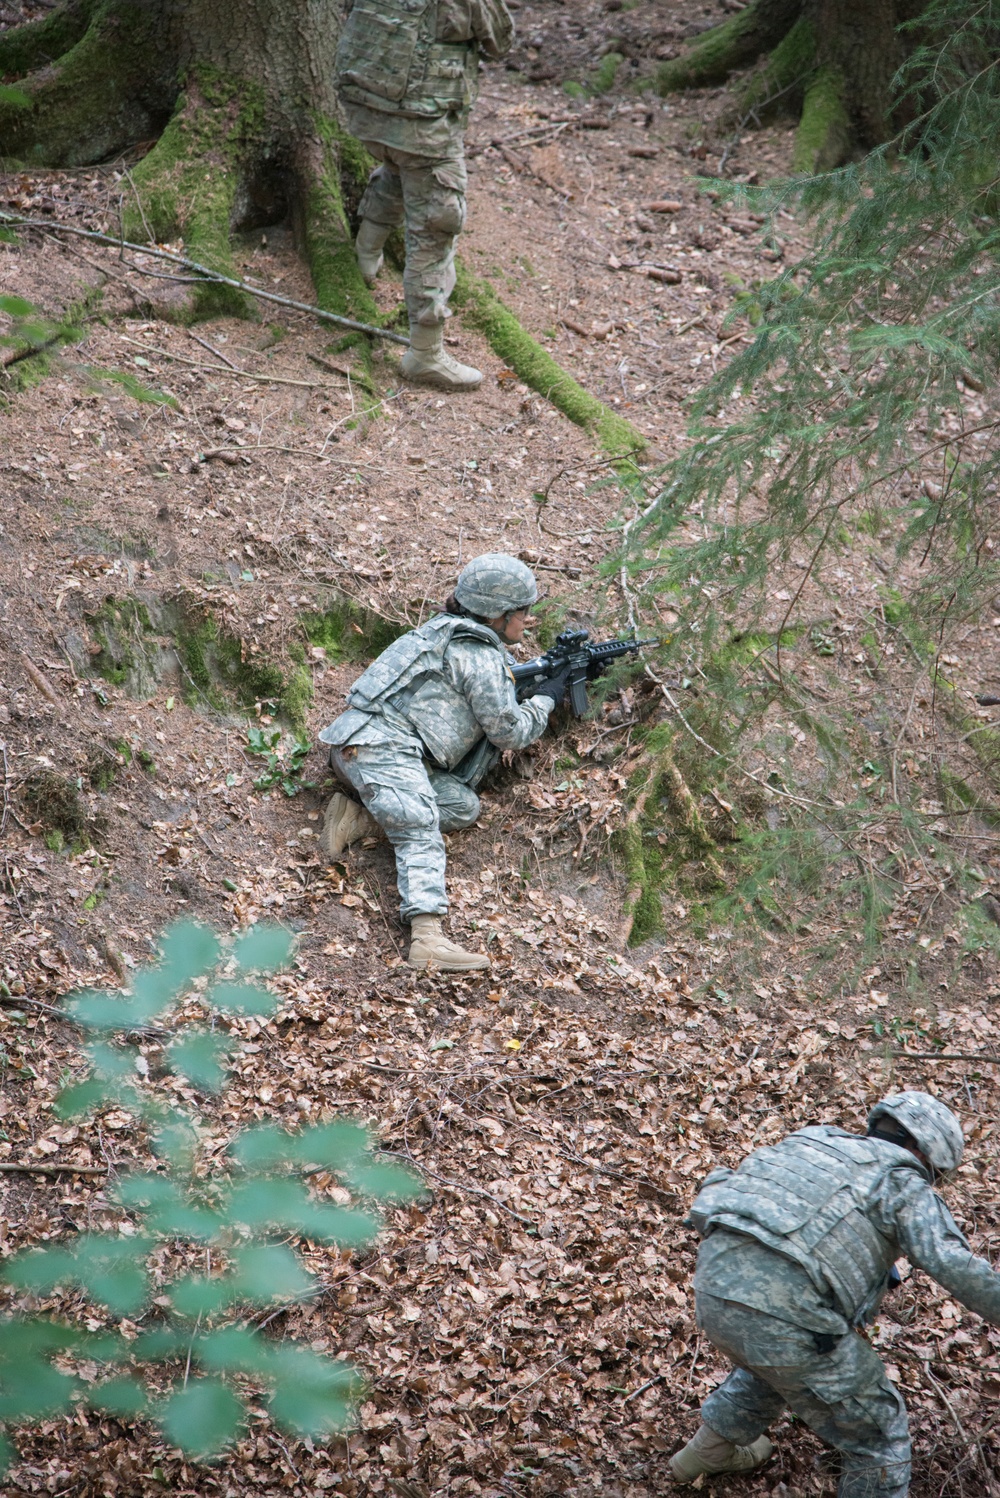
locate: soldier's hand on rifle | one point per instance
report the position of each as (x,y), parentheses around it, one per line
(552,686)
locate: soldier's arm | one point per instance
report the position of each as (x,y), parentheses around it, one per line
(492,27)
(930,1237)
(480,675)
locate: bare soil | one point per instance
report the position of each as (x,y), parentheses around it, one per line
(531,1330)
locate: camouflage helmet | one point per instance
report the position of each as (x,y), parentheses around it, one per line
(934,1127)
(495,584)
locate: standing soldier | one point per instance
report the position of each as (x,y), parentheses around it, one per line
(423,725)
(407,77)
(798,1251)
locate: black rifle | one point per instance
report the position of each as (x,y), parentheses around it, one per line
(586,659)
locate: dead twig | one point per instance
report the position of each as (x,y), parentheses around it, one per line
(204,273)
(52,1168)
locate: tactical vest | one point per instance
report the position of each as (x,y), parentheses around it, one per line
(410,679)
(808,1198)
(388,59)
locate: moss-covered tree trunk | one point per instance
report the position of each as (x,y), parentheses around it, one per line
(831,60)
(239,99)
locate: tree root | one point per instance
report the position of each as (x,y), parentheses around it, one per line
(484,310)
(735,44)
(645,872)
(94,99)
(39,44)
(823,138)
(325,162)
(784,76)
(189,184)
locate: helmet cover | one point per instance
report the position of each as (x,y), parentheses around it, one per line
(934,1127)
(495,584)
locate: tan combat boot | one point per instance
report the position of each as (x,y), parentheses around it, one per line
(712,1454)
(430,948)
(368,249)
(426,363)
(345,822)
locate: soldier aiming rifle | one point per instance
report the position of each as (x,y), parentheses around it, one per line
(427,721)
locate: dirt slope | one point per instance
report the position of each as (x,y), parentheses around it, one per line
(204,532)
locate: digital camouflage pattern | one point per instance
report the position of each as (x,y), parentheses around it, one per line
(407,78)
(414,805)
(495,584)
(799,1242)
(426,197)
(844,1395)
(439,700)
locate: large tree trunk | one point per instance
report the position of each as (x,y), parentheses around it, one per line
(833,60)
(240,100)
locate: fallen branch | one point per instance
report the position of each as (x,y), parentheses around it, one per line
(23,1167)
(204,273)
(220,369)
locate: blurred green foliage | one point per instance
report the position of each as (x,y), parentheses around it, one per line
(245,1212)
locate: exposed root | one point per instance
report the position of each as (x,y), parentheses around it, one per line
(94,99)
(823,138)
(735,44)
(645,870)
(326,232)
(484,310)
(39,44)
(783,78)
(189,183)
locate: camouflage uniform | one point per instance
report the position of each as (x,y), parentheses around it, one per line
(423,725)
(798,1253)
(407,78)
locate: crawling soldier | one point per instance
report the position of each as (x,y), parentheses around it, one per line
(423,725)
(798,1251)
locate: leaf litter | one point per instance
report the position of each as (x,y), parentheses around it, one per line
(531,1330)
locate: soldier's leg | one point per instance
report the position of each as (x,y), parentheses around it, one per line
(458,804)
(736,1414)
(381,210)
(394,786)
(843,1394)
(847,1398)
(434,201)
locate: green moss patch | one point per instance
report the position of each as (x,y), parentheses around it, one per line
(53,802)
(484,310)
(823,138)
(349,632)
(187,184)
(219,669)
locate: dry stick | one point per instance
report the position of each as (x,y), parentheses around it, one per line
(643,1387)
(211,349)
(205,273)
(499,1408)
(242,374)
(943,1056)
(15,1167)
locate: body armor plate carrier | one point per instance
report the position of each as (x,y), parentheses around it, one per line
(809,1197)
(388,59)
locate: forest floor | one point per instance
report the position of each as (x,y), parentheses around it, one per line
(204,532)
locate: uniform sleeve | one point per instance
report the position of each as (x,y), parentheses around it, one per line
(480,674)
(930,1237)
(492,27)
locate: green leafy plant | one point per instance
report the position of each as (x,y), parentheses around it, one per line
(285,759)
(228,1227)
